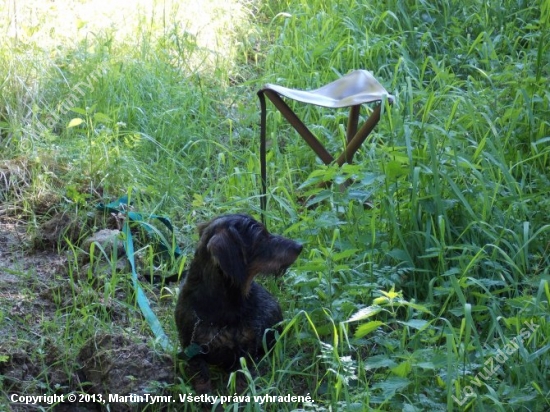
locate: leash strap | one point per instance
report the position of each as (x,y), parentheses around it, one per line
(263,161)
(119,206)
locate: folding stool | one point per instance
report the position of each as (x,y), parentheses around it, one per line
(351,90)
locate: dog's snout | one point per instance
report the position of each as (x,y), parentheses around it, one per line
(293,251)
(288,246)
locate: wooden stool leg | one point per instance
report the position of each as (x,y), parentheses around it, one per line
(300,127)
(353,120)
(355,143)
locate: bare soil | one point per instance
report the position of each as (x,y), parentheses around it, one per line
(39,355)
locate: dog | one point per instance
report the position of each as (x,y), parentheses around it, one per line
(221,313)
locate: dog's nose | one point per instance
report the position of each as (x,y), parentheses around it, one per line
(299,248)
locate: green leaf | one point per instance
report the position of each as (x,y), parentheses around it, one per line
(344,254)
(78,110)
(379,361)
(395,169)
(416,306)
(367,328)
(102,118)
(415,323)
(403,369)
(364,313)
(426,365)
(391,385)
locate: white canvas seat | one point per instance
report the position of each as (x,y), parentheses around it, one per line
(352,90)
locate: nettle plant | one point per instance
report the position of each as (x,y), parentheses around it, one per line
(399,335)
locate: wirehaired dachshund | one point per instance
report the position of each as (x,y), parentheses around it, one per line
(221,313)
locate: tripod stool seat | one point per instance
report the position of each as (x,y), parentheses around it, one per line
(351,90)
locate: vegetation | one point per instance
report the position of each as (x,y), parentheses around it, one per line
(424,285)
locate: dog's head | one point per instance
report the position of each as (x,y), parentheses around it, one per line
(242,248)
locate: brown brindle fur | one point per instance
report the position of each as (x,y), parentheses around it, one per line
(221,313)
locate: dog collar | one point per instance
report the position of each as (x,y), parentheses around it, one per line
(195,348)
(192,350)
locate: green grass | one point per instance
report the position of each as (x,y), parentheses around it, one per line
(402,305)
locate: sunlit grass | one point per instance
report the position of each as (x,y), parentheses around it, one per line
(204,30)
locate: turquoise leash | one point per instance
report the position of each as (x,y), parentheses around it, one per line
(119,206)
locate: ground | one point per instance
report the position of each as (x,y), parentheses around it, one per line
(37,292)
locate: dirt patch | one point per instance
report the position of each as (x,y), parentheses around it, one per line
(23,369)
(117,364)
(39,354)
(62,227)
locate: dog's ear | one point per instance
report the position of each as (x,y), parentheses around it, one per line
(226,247)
